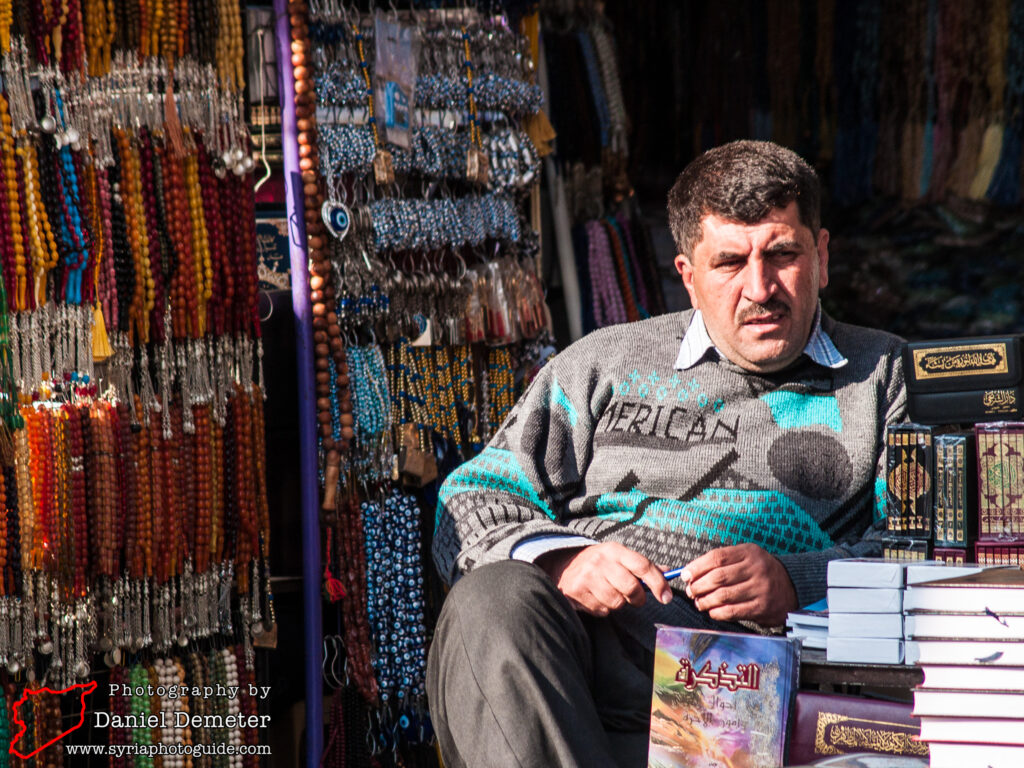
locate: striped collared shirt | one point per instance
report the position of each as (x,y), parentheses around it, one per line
(697,342)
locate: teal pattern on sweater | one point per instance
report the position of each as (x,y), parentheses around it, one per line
(793,410)
(495,470)
(559,398)
(725,516)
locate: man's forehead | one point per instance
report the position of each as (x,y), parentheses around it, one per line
(779,224)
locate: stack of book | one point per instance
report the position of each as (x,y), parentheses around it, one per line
(967,633)
(865,611)
(809,625)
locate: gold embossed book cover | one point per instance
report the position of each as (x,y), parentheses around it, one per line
(721,699)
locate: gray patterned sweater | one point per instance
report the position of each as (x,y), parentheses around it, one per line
(611,442)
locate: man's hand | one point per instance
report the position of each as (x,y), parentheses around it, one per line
(604,577)
(741,582)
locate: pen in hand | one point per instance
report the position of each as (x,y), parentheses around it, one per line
(675,573)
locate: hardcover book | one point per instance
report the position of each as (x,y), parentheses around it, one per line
(874,572)
(952,555)
(972,730)
(855,600)
(935,570)
(810,626)
(999,590)
(903,548)
(966,407)
(910,466)
(865,624)
(990,553)
(864,650)
(960,626)
(1000,448)
(955,365)
(989,755)
(721,699)
(956,490)
(975,677)
(1000,653)
(933,702)
(831,724)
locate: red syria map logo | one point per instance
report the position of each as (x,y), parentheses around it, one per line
(84,690)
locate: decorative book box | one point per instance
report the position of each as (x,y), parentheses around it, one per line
(956,491)
(963,381)
(830,724)
(1000,448)
(910,465)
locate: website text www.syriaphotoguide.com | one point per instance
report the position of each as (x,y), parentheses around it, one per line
(152,750)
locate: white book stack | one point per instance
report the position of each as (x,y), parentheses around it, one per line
(865,611)
(810,625)
(967,634)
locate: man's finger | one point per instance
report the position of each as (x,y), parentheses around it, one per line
(709,561)
(608,594)
(626,583)
(732,595)
(726,576)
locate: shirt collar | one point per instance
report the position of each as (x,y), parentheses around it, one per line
(697,342)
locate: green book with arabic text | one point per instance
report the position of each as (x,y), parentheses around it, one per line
(721,699)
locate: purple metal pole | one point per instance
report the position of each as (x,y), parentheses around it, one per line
(309,483)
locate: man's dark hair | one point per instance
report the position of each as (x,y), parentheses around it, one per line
(741,181)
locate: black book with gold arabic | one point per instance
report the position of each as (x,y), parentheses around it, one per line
(962,365)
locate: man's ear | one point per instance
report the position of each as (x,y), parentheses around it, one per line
(822,258)
(685,270)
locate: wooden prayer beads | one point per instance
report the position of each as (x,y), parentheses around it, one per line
(326,328)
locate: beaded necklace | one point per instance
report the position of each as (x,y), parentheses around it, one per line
(142,708)
(203,268)
(501,385)
(16,290)
(477,164)
(168,677)
(395,607)
(44,247)
(230,667)
(352,556)
(371,408)
(383,163)
(609,308)
(625,279)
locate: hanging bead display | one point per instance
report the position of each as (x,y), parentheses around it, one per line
(132,456)
(417,176)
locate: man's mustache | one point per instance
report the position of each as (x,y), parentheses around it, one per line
(771,307)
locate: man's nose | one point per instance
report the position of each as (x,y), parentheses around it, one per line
(759,281)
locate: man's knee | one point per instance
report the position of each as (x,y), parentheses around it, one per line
(506,594)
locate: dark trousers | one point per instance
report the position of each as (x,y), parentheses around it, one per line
(516,677)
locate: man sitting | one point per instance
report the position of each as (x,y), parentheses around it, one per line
(742,439)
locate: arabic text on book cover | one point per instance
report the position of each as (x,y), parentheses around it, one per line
(721,699)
